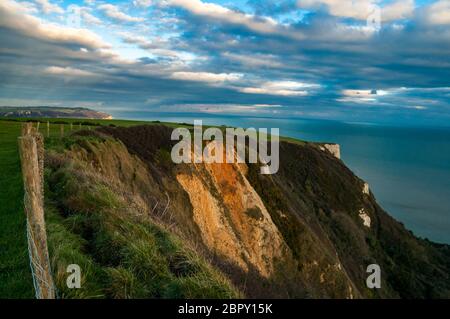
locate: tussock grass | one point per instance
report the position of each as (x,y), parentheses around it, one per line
(121,254)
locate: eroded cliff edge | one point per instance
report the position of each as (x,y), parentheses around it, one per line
(308,231)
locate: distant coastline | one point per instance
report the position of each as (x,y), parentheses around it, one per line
(52,112)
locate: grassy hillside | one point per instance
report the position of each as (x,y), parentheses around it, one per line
(15,275)
(122,254)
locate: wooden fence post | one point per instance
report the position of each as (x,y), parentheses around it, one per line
(48,128)
(31,156)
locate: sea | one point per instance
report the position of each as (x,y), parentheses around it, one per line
(407,168)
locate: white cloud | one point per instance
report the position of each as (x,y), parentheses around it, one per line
(141,41)
(12,17)
(359,93)
(113,12)
(221,108)
(417,107)
(254,60)
(49,7)
(29,7)
(264,25)
(400,9)
(143,3)
(282,88)
(438,13)
(361,9)
(89,18)
(340,8)
(363,96)
(68,72)
(206,76)
(157,46)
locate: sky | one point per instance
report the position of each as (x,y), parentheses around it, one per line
(373,61)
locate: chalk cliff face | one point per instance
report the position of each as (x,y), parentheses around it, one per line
(307,231)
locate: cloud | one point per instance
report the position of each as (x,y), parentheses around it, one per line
(361,93)
(12,18)
(438,13)
(114,12)
(215,60)
(68,71)
(157,46)
(206,77)
(89,18)
(28,7)
(417,107)
(283,88)
(256,60)
(146,44)
(361,9)
(363,96)
(263,25)
(218,108)
(400,9)
(341,8)
(49,7)
(143,3)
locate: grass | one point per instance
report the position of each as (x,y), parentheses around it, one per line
(15,275)
(121,254)
(55,123)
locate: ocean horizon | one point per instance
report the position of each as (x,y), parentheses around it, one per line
(407,168)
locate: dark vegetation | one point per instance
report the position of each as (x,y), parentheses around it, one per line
(318,194)
(144,140)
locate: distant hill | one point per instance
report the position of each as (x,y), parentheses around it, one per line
(52,112)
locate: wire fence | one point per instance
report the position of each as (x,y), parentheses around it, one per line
(31,149)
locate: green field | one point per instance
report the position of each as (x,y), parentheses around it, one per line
(15,276)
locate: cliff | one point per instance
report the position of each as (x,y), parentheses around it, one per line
(145,227)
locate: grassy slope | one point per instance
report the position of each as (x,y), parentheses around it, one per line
(121,253)
(15,276)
